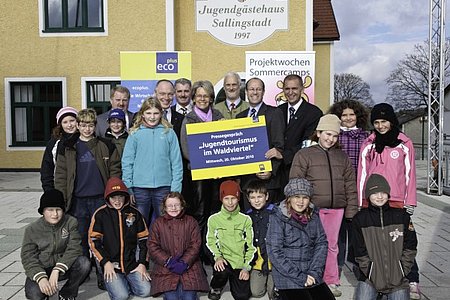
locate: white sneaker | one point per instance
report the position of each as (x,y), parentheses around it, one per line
(335,290)
(414,291)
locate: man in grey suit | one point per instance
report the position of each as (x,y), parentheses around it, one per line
(275,133)
(119,98)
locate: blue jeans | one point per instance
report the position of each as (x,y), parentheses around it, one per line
(75,276)
(180,294)
(125,285)
(365,291)
(83,209)
(148,199)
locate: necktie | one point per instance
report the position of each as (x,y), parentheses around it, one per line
(253,113)
(291,113)
(165,114)
(232,106)
(183,110)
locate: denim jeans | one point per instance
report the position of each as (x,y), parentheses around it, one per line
(365,291)
(75,276)
(149,199)
(83,209)
(124,285)
(180,294)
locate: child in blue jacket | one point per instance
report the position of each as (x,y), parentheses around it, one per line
(151,160)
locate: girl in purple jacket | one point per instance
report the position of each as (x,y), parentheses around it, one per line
(354,120)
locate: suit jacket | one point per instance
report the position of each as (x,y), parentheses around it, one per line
(176,120)
(299,128)
(275,129)
(102,123)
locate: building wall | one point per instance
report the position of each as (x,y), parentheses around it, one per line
(26,54)
(133,25)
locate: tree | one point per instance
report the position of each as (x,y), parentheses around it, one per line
(348,86)
(408,82)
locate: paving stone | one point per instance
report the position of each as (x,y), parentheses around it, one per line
(6,277)
(14,267)
(8,292)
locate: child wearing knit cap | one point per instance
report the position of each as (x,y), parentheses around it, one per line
(385,245)
(297,245)
(51,251)
(230,240)
(331,173)
(66,127)
(390,153)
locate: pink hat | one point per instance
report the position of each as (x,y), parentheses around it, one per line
(64,112)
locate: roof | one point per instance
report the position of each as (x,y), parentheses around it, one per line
(323,14)
(406,116)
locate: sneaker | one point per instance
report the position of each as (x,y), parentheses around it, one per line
(101,283)
(414,291)
(68,298)
(335,290)
(214,294)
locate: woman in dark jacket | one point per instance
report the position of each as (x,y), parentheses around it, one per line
(297,245)
(66,120)
(202,198)
(174,247)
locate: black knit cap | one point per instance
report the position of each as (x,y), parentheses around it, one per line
(383,111)
(52,198)
(376,183)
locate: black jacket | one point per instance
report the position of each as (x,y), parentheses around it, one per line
(114,236)
(385,245)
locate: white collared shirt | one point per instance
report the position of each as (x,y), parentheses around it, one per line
(296,106)
(179,108)
(257,107)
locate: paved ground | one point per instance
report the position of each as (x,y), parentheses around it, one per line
(19,198)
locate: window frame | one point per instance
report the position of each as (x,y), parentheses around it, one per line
(44,32)
(8,108)
(84,88)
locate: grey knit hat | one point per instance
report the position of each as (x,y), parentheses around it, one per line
(376,183)
(298,186)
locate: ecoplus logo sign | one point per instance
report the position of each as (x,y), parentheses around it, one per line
(167,62)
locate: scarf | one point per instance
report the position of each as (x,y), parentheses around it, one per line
(389,139)
(302,219)
(204,116)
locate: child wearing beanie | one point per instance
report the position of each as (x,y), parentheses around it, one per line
(390,153)
(385,244)
(51,251)
(66,128)
(331,173)
(297,245)
(230,240)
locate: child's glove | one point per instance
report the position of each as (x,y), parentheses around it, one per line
(175,265)
(409,209)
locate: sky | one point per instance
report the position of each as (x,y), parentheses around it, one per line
(375,35)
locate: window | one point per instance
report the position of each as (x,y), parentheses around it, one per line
(97,94)
(33,108)
(73,17)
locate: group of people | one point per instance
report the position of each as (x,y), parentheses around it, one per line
(119,196)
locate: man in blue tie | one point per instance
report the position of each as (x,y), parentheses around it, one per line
(300,117)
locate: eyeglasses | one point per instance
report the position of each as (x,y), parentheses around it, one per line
(173,206)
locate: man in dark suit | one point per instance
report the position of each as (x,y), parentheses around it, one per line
(275,133)
(301,119)
(164,92)
(119,98)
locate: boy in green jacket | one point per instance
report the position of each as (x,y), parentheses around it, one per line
(230,240)
(51,251)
